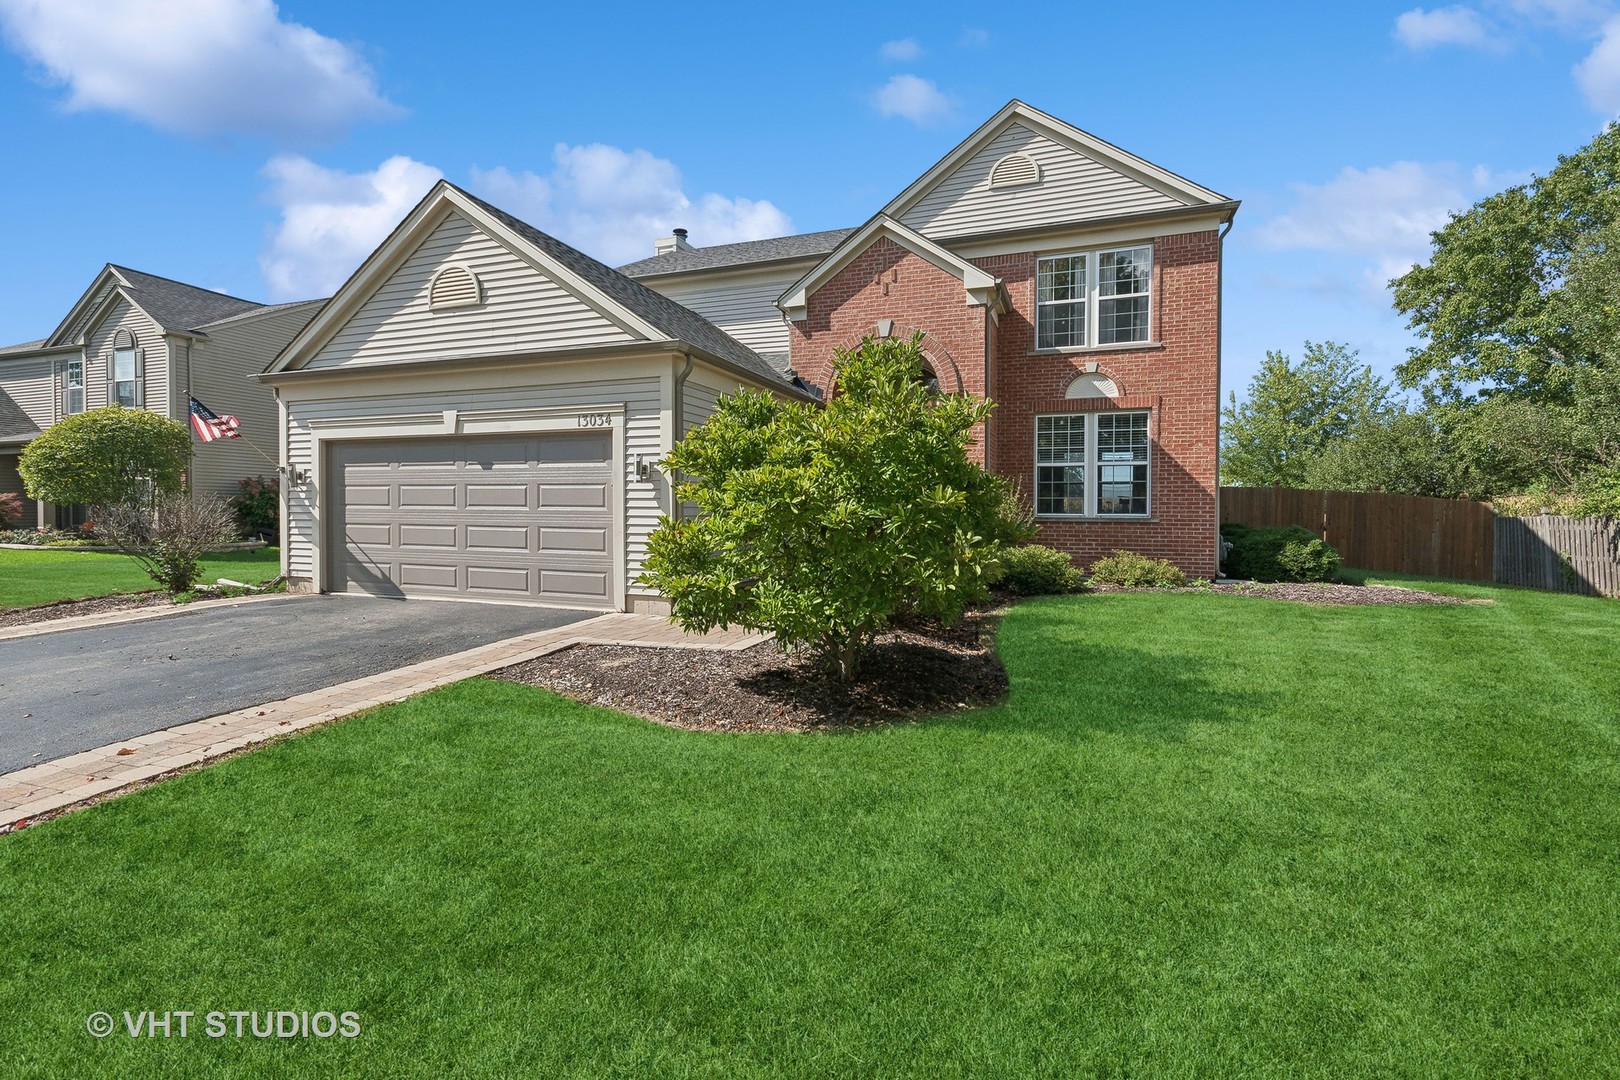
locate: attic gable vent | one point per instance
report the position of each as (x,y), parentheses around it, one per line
(454,287)
(1015,170)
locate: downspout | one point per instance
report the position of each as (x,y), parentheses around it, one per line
(678,423)
(678,404)
(1220,338)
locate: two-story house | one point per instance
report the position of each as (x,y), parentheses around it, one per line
(1074,284)
(480,410)
(149,342)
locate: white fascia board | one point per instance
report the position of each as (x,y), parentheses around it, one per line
(980,286)
(85,299)
(1082,142)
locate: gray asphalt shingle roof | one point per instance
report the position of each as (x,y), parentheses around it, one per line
(178,306)
(803,246)
(14,423)
(669,317)
(25,347)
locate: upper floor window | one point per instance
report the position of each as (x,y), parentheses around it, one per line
(1093,297)
(73,388)
(124,372)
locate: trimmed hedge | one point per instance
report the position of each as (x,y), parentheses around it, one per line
(1033,570)
(1282,553)
(1127,569)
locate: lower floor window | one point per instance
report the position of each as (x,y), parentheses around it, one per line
(1091,464)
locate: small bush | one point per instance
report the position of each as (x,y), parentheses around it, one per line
(1033,570)
(257,505)
(1128,570)
(11,509)
(1285,553)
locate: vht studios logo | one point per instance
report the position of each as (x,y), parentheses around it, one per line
(237,1024)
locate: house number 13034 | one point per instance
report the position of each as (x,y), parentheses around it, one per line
(596,419)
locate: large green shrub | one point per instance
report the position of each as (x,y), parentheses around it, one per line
(106,457)
(1033,570)
(819,524)
(1128,570)
(1283,553)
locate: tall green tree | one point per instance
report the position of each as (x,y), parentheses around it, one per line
(1292,412)
(1519,290)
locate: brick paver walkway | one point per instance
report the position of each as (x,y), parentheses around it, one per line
(45,788)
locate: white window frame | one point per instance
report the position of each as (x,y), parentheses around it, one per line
(1093,298)
(1092,466)
(134,380)
(68,388)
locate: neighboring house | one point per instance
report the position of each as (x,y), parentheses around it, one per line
(152,343)
(479,411)
(1074,284)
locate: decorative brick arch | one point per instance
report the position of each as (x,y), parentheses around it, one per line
(1068,379)
(938,357)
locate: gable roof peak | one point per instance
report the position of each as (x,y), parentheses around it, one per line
(1060,131)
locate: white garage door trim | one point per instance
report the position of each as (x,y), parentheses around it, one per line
(450,422)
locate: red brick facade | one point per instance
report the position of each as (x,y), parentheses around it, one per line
(1175,378)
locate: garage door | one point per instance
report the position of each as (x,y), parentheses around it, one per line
(508,517)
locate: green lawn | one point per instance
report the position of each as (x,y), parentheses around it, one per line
(39,577)
(1207,836)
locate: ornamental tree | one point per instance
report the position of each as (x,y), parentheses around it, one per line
(820,524)
(106,457)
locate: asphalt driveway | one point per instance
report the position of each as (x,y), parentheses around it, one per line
(79,689)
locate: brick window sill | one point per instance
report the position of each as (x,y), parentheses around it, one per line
(1093,350)
(1139,519)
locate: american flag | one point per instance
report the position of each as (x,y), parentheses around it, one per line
(210,427)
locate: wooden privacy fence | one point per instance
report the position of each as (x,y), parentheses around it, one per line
(1580,555)
(1404,534)
(1453,538)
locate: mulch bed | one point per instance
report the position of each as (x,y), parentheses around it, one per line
(909,672)
(67,609)
(1338,593)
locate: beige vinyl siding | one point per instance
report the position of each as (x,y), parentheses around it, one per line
(523,310)
(702,397)
(30,381)
(154,366)
(744,306)
(1073,187)
(76,331)
(219,369)
(640,397)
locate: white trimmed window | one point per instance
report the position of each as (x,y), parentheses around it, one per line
(1092,465)
(73,388)
(123,371)
(1093,297)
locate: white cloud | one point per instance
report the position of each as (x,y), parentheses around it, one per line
(903,50)
(331,219)
(974,37)
(1456,25)
(916,99)
(1381,216)
(612,203)
(197,67)
(1599,74)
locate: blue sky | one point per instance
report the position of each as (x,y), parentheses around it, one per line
(264,150)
